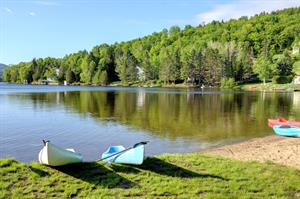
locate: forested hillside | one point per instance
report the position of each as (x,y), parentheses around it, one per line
(2,66)
(247,49)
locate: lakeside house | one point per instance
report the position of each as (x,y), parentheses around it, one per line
(48,81)
(51,80)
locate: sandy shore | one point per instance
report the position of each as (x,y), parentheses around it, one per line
(281,150)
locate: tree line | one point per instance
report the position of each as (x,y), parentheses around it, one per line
(242,50)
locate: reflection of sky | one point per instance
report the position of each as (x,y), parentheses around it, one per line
(175,123)
(296,99)
(140,98)
(25,123)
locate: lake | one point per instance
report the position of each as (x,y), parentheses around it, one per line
(90,119)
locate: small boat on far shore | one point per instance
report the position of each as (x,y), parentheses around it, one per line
(53,155)
(289,131)
(282,121)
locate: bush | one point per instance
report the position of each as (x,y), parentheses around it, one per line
(282,79)
(229,83)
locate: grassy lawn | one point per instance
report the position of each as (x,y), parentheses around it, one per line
(269,86)
(167,176)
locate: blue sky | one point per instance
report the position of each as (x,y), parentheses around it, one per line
(41,28)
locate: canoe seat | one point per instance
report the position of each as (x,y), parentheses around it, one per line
(72,150)
(115,149)
(285,126)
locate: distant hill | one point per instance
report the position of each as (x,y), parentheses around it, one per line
(2,66)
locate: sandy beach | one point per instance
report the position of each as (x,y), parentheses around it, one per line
(281,150)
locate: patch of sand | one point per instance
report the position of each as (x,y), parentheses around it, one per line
(281,150)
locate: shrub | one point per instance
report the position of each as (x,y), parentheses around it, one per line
(282,79)
(229,83)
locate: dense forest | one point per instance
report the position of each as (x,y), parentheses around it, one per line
(242,50)
(2,66)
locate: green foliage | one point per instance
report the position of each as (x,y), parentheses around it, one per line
(263,68)
(212,66)
(229,83)
(170,65)
(6,75)
(282,79)
(204,54)
(296,67)
(126,67)
(192,65)
(296,43)
(103,78)
(88,67)
(100,78)
(70,76)
(283,64)
(149,71)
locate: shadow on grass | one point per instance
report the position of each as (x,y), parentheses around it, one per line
(38,171)
(125,168)
(96,174)
(165,168)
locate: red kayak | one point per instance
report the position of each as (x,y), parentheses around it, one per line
(282,121)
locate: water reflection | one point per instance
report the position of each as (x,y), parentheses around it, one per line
(175,121)
(296,99)
(209,117)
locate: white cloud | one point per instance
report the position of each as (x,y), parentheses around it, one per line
(32,14)
(243,8)
(7,10)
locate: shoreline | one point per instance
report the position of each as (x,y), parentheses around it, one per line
(277,149)
(243,87)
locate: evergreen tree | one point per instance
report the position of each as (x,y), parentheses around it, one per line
(70,76)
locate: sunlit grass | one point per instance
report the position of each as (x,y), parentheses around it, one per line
(269,86)
(167,176)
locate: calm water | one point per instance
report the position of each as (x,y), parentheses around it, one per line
(90,119)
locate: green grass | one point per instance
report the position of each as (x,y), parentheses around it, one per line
(269,86)
(167,176)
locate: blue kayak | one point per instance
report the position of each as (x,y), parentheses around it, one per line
(285,130)
(119,154)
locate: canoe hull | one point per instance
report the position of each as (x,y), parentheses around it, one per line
(282,121)
(291,131)
(55,156)
(134,156)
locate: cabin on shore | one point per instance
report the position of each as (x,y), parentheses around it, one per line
(48,81)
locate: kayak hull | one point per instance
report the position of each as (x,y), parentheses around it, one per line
(53,155)
(134,155)
(282,121)
(289,131)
